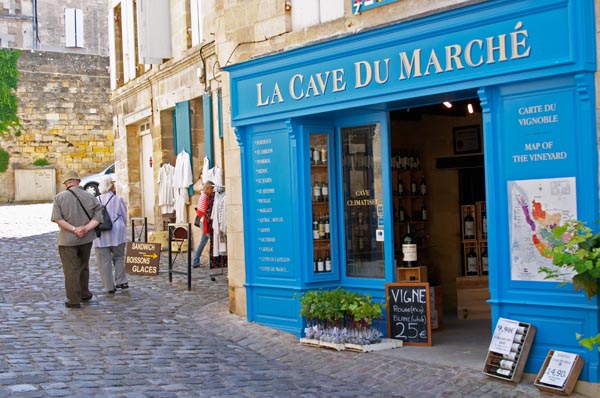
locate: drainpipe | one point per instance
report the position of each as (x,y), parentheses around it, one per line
(35,25)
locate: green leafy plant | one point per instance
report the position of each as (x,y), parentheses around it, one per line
(9,121)
(4,156)
(575,250)
(41,162)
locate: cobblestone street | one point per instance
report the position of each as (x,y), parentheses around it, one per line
(156,339)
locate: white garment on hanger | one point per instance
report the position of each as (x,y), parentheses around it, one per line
(219,224)
(166,194)
(182,179)
(205,167)
(216,176)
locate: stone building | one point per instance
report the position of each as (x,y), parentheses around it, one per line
(365,85)
(63,91)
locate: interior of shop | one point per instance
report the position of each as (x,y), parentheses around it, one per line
(439,188)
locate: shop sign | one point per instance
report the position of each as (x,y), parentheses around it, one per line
(142,258)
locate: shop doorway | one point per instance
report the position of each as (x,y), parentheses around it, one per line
(147,172)
(438,182)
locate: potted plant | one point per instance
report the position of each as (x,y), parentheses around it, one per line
(339,316)
(575,251)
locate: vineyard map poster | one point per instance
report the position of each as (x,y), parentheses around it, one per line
(535,207)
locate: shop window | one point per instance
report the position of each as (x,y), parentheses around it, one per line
(153,31)
(323,258)
(74,27)
(363,201)
(307,13)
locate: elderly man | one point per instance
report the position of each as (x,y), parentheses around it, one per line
(77,213)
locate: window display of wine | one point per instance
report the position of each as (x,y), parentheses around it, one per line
(321,229)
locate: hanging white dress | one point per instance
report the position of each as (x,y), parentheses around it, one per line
(182,179)
(166,195)
(219,224)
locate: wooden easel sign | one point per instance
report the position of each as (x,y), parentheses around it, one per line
(408,312)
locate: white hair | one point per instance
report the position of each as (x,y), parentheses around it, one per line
(106,183)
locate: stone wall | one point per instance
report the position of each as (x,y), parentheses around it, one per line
(64,109)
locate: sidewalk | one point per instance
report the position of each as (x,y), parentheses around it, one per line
(158,339)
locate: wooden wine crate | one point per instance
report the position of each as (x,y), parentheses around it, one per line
(571,378)
(466,249)
(160,237)
(515,375)
(464,210)
(472,294)
(437,307)
(411,274)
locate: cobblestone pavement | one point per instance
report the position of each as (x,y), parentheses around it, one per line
(156,339)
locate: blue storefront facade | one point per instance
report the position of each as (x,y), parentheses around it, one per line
(531,64)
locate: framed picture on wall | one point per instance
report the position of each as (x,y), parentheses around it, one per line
(467,139)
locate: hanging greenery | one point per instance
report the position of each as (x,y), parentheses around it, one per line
(3,160)
(9,121)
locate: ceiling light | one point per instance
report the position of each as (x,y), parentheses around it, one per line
(470,108)
(447,104)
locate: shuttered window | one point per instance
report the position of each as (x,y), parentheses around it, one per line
(154,31)
(73,27)
(307,13)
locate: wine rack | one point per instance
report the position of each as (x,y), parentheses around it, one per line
(321,221)
(510,366)
(474,239)
(410,207)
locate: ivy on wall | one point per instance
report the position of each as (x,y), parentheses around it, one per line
(3,160)
(9,121)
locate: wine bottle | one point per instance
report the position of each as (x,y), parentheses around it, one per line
(316,156)
(320,263)
(317,191)
(327,227)
(469,226)
(504,372)
(409,249)
(423,212)
(321,227)
(413,186)
(471,262)
(511,355)
(327,262)
(402,214)
(484,261)
(315,229)
(324,155)
(400,187)
(422,187)
(483,223)
(324,190)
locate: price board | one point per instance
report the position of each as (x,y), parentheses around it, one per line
(504,335)
(559,373)
(408,312)
(142,258)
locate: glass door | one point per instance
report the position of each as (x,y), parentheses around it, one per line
(363,201)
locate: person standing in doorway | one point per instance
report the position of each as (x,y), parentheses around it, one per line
(110,246)
(202,211)
(77,213)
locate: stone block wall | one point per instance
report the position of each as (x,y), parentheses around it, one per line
(65,111)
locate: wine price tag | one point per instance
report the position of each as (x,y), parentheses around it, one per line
(559,368)
(504,335)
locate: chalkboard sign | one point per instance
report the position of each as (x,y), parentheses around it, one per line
(408,312)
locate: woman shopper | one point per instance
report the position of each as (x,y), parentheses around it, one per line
(202,210)
(110,246)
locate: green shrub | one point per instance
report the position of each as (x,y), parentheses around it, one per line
(41,162)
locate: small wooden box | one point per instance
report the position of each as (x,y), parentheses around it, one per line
(437,307)
(464,210)
(472,294)
(515,375)
(411,274)
(161,237)
(466,249)
(572,377)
